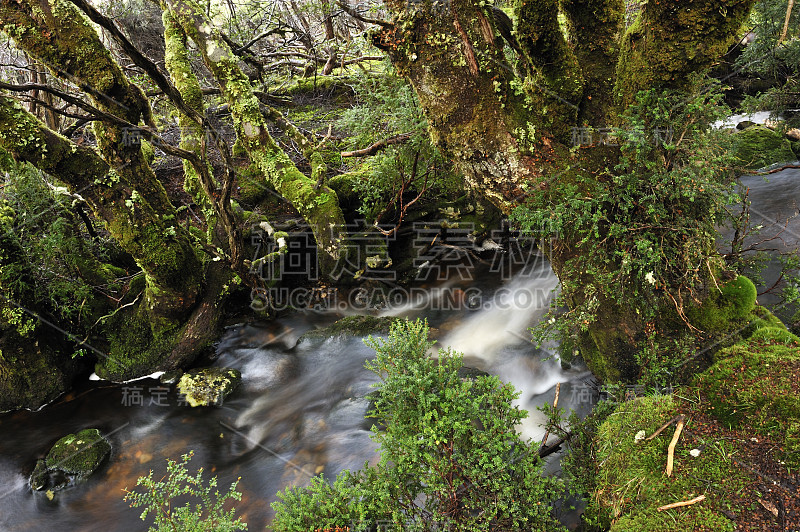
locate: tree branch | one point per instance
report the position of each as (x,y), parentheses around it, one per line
(358,16)
(377,146)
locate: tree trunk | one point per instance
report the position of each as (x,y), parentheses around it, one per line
(510,129)
(129,199)
(318,205)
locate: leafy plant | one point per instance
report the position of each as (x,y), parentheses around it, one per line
(450,457)
(387,107)
(159,499)
(644,229)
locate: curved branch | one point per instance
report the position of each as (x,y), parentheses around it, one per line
(358,16)
(378,146)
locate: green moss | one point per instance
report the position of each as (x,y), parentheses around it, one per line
(631,483)
(754,386)
(79,454)
(137,344)
(726,307)
(148,152)
(758,146)
(252,186)
(208,386)
(353,326)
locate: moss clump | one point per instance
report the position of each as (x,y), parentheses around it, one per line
(756,385)
(775,334)
(352,326)
(208,386)
(726,307)
(78,454)
(253,187)
(758,146)
(631,484)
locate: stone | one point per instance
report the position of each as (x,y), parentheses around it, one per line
(351,326)
(79,454)
(73,457)
(39,477)
(171,377)
(208,386)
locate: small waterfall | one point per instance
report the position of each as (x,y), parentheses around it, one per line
(504,318)
(497,339)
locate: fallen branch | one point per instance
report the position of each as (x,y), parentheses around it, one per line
(375,148)
(776,170)
(665,425)
(671,448)
(555,405)
(550,449)
(682,503)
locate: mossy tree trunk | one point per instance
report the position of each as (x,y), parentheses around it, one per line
(507,116)
(318,205)
(128,196)
(179,309)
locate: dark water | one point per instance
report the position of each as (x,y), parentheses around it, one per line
(299,411)
(300,408)
(775,200)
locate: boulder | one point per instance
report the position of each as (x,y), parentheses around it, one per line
(352,326)
(758,146)
(73,457)
(208,386)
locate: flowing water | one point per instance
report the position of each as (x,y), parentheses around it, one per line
(298,412)
(300,408)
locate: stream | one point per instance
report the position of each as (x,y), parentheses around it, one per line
(300,408)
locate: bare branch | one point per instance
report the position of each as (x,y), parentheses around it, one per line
(378,146)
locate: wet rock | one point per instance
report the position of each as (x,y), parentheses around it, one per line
(352,326)
(39,478)
(73,457)
(171,377)
(208,386)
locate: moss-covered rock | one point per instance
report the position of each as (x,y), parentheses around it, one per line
(756,385)
(631,484)
(352,326)
(759,146)
(39,477)
(208,386)
(78,454)
(724,307)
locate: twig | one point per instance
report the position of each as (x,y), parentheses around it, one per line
(555,405)
(375,148)
(672,444)
(665,425)
(682,503)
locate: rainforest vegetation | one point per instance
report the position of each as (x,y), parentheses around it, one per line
(163,160)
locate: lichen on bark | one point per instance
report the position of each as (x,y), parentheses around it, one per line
(319,206)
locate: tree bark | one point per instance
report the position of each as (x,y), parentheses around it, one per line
(129,199)
(318,206)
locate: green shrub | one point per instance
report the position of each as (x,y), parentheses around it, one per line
(450,457)
(159,498)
